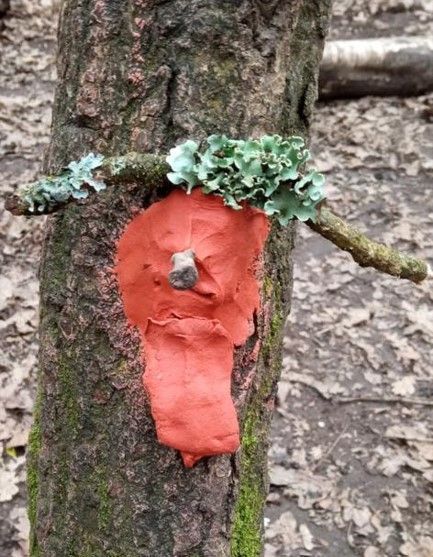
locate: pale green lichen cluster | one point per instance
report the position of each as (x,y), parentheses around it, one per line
(74,182)
(267,173)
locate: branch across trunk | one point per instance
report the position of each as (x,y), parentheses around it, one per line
(400,66)
(150,171)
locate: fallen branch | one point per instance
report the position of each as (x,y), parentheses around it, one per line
(386,66)
(151,171)
(366,252)
(310,382)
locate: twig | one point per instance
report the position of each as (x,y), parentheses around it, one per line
(367,252)
(427,440)
(330,449)
(184,274)
(151,171)
(382,400)
(309,382)
(312,384)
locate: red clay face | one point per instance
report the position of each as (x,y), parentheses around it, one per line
(188,336)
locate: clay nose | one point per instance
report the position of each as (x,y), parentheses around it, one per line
(184,274)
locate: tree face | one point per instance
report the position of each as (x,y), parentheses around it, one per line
(188,336)
(142,76)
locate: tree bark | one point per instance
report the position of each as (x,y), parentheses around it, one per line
(400,66)
(142,75)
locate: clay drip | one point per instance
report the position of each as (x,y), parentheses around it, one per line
(189,386)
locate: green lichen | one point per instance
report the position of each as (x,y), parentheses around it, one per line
(117,165)
(63,476)
(149,170)
(33,449)
(104,508)
(55,274)
(268,286)
(268,173)
(272,341)
(366,252)
(71,183)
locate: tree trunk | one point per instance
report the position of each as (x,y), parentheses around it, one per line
(142,75)
(400,66)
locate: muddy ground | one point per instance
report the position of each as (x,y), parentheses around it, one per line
(351,465)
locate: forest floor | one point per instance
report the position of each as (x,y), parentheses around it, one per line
(351,466)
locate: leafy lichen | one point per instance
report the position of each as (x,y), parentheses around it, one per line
(71,183)
(265,172)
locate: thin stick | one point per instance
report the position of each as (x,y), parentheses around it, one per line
(295,378)
(367,252)
(330,449)
(384,400)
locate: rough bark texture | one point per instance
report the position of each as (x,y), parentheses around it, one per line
(142,75)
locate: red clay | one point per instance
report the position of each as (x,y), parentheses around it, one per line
(188,336)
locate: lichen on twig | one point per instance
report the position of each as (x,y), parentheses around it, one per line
(269,173)
(52,193)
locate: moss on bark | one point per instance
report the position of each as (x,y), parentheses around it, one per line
(247,530)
